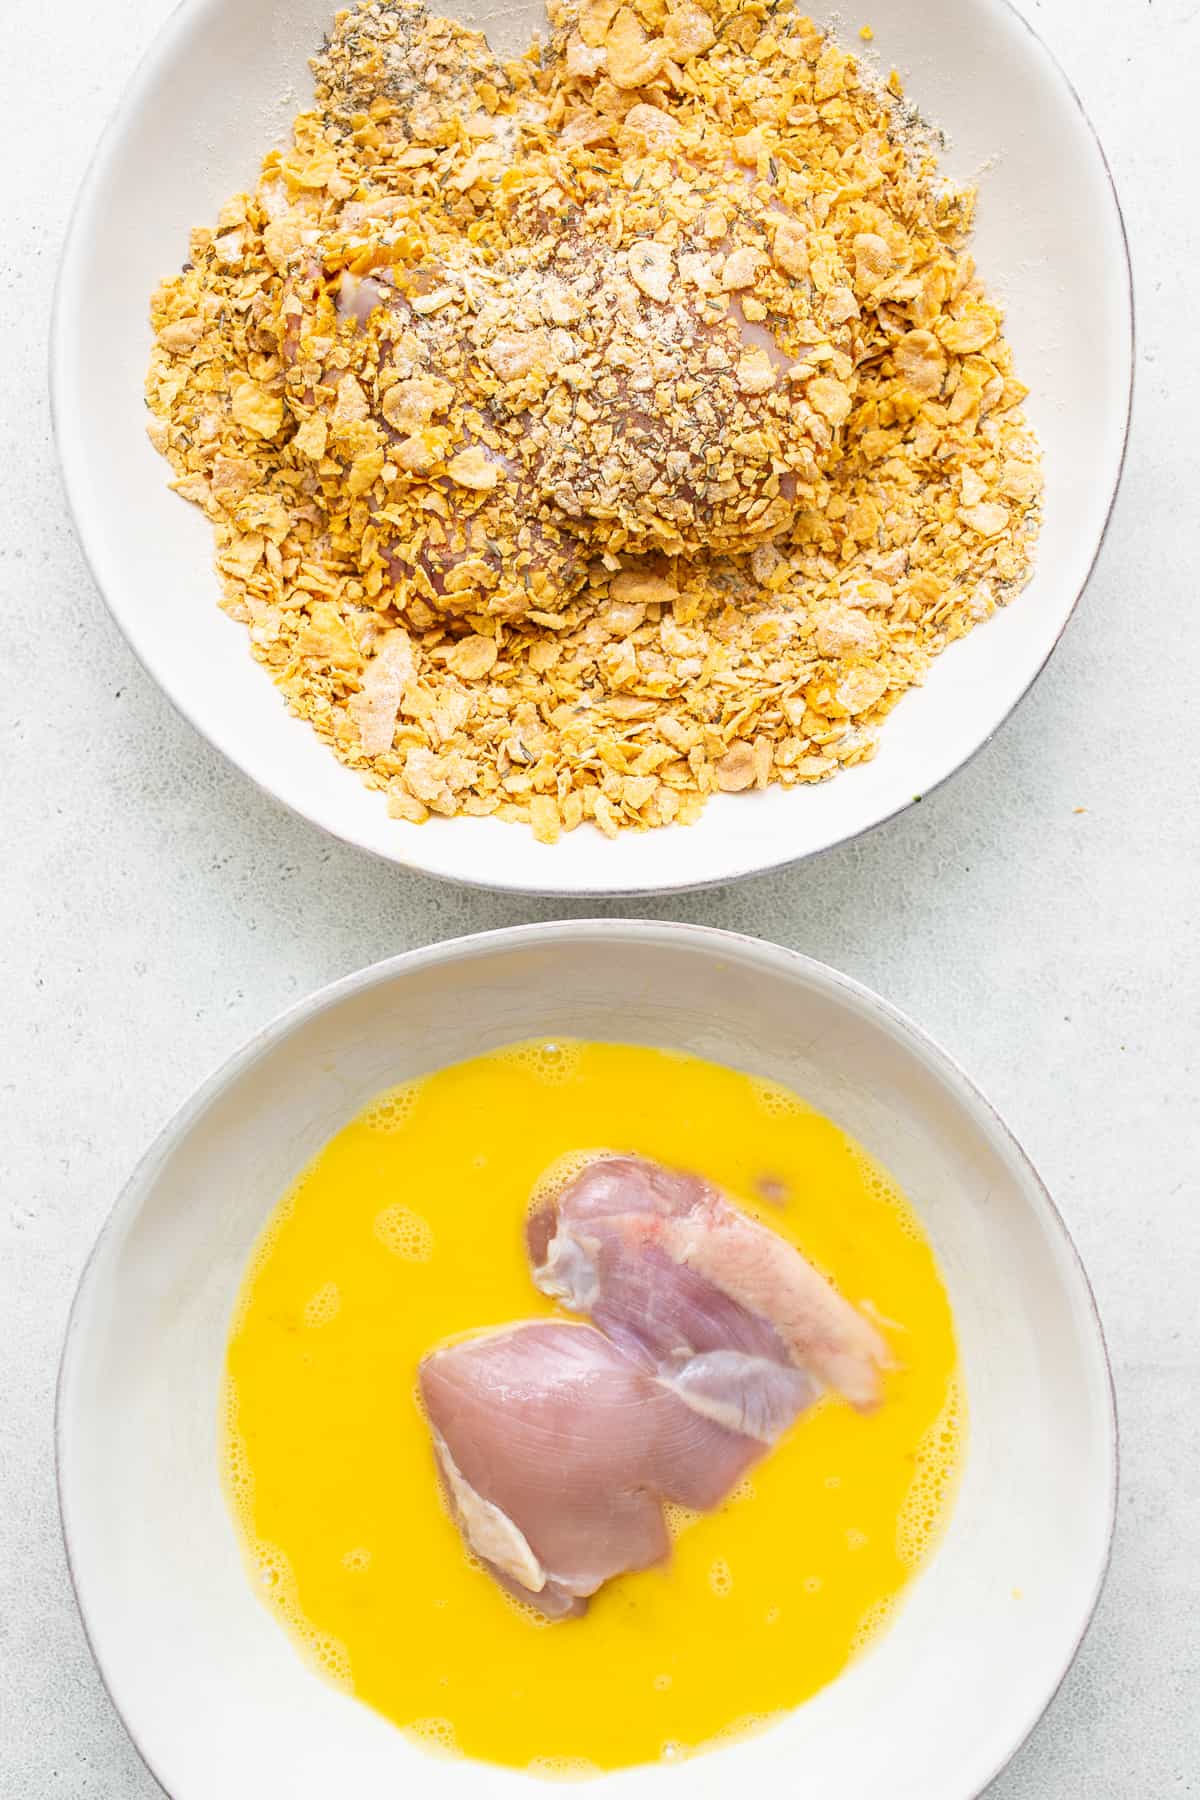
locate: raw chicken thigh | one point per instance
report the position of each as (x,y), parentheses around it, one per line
(558,1443)
(722,1307)
(556,1451)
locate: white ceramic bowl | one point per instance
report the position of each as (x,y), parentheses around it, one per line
(211,1690)
(222,84)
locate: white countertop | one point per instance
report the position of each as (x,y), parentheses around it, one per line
(157,909)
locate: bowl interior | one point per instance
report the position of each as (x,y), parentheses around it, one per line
(222,85)
(928,1713)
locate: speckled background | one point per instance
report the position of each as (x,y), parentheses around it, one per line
(157,910)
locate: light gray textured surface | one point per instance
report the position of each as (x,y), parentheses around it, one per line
(157,910)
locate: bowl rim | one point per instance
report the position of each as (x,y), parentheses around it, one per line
(71,459)
(769,957)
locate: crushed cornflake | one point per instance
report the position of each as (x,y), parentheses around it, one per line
(588,434)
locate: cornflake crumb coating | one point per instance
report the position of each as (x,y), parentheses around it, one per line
(590,433)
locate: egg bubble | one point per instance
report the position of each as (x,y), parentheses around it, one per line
(323,1306)
(562,1768)
(357,1559)
(748,1725)
(777,1101)
(661,1683)
(436,1735)
(554,1061)
(235,1458)
(873,1624)
(524,1609)
(230,1404)
(923,1510)
(562,1170)
(744,1490)
(391,1111)
(720,1579)
(880,1186)
(276,1584)
(405,1233)
(261,1253)
(326,1655)
(678,1519)
(273,1568)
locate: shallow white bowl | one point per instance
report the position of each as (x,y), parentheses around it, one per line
(209,1686)
(222,84)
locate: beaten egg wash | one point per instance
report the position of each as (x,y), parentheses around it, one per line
(406,1230)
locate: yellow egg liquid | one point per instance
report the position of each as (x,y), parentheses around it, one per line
(408,1229)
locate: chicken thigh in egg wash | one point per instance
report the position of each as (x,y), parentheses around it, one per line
(419,1249)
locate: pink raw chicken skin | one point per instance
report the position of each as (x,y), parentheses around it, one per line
(557,1443)
(556,1450)
(677,1274)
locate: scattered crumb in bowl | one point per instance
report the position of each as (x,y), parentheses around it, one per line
(591,433)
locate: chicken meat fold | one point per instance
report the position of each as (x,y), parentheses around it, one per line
(727,1313)
(556,1451)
